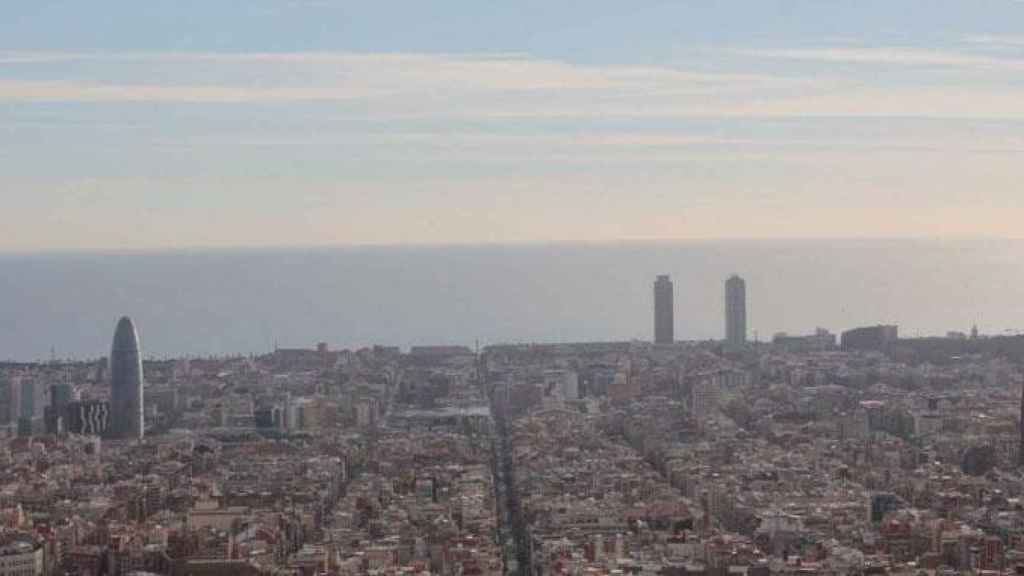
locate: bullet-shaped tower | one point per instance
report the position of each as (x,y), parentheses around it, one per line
(126,382)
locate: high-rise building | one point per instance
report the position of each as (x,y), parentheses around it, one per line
(28,398)
(89,417)
(32,398)
(26,427)
(126,382)
(10,399)
(735,311)
(664,312)
(1020,446)
(61,395)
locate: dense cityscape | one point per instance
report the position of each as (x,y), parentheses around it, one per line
(531,288)
(861,453)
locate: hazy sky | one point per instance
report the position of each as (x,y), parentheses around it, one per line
(289,122)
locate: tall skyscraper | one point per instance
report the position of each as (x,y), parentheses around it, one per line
(10,399)
(664,311)
(32,398)
(126,382)
(61,395)
(1020,446)
(735,311)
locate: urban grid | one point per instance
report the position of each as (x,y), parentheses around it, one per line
(817,454)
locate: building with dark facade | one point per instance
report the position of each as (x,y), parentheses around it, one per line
(820,341)
(664,311)
(269,417)
(1020,447)
(735,311)
(31,398)
(882,504)
(88,418)
(870,338)
(61,395)
(126,383)
(10,400)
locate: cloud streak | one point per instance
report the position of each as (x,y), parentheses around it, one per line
(997,40)
(889,56)
(284,77)
(27,91)
(516,86)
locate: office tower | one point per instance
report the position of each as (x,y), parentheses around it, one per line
(1020,446)
(10,400)
(126,383)
(32,398)
(735,311)
(29,405)
(61,395)
(25,428)
(664,321)
(88,418)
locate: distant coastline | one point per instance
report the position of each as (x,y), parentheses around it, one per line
(245,300)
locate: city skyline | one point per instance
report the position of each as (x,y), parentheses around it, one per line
(262,125)
(460,288)
(204,304)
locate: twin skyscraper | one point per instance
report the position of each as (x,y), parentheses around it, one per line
(735,311)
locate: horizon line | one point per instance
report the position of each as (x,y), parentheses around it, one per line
(653,240)
(406,348)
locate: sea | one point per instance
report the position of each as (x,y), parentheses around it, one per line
(199,303)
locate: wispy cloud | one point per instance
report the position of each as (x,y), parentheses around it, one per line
(893,56)
(320,75)
(994,40)
(649,146)
(8,58)
(440,80)
(69,91)
(510,86)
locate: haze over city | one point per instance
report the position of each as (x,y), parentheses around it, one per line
(481,288)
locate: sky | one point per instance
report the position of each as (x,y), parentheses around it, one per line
(215,123)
